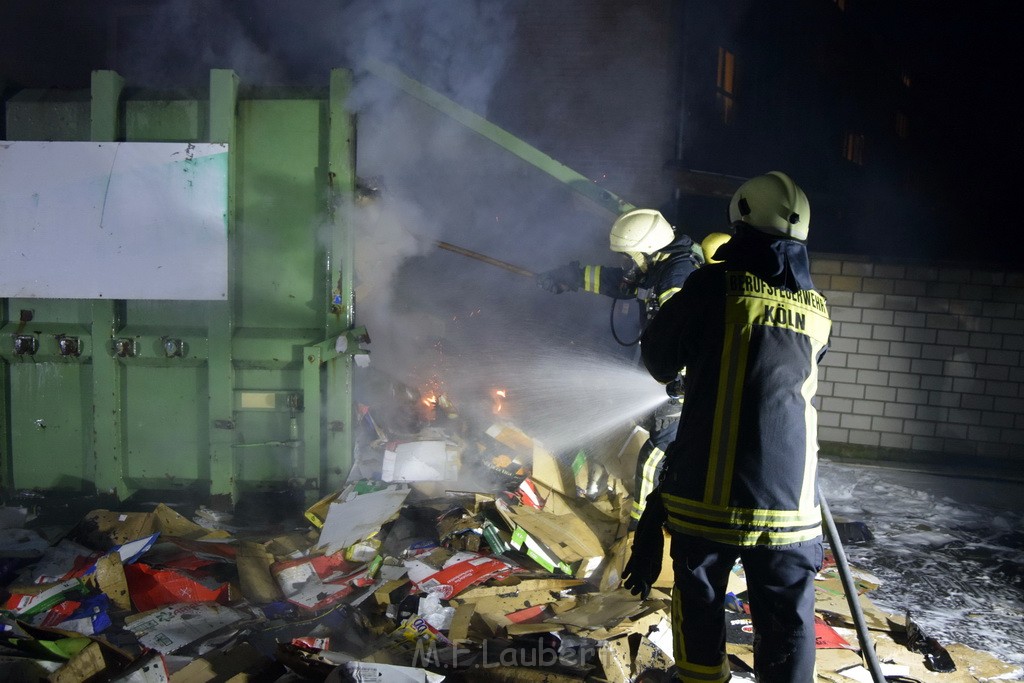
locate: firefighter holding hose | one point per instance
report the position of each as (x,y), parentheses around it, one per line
(740,478)
(660,260)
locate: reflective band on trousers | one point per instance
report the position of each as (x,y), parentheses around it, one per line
(687,671)
(647,482)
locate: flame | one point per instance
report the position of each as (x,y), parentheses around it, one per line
(499,396)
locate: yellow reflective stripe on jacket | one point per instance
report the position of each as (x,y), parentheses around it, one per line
(647,482)
(667,294)
(741,537)
(808,390)
(741,516)
(592,279)
(725,430)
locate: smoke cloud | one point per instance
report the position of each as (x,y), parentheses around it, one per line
(437,318)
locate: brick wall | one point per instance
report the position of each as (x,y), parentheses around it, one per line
(925,362)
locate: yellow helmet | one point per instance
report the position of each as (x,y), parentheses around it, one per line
(641,230)
(710,244)
(774,204)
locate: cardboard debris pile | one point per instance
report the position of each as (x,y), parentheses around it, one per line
(411,575)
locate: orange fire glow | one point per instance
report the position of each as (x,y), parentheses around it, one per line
(499,396)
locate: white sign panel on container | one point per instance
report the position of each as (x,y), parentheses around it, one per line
(113,220)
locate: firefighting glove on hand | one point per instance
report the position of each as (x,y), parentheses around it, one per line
(674,389)
(644,565)
(561,279)
(667,414)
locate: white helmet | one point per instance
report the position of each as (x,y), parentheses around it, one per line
(774,204)
(641,230)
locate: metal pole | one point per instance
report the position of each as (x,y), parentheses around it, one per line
(486,259)
(867,646)
(573,179)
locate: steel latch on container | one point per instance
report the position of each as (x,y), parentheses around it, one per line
(173,348)
(69,346)
(25,344)
(125,347)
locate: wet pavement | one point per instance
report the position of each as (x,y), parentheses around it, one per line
(950,549)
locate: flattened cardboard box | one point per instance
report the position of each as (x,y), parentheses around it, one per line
(416,461)
(552,473)
(105,528)
(511,437)
(221,665)
(557,542)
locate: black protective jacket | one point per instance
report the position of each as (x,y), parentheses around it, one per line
(750,332)
(672,265)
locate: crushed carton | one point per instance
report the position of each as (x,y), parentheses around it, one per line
(171,628)
(462,570)
(235,663)
(152,587)
(562,543)
(415,461)
(353,517)
(105,529)
(406,579)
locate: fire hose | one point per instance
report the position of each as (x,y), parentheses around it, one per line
(867,647)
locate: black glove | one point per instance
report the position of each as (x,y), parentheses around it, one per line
(674,389)
(667,414)
(644,564)
(561,279)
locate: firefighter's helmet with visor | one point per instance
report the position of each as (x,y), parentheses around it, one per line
(772,203)
(641,230)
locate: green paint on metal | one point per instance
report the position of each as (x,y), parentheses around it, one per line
(108,451)
(223,105)
(308,470)
(341,184)
(220,316)
(279,214)
(6,461)
(162,422)
(576,181)
(47,420)
(62,115)
(105,119)
(148,120)
(108,426)
(340,301)
(166,425)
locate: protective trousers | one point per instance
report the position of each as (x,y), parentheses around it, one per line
(780,592)
(649,463)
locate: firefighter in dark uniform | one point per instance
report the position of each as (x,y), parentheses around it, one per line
(660,260)
(741,477)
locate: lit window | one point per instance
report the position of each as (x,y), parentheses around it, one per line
(727,84)
(902,125)
(853,148)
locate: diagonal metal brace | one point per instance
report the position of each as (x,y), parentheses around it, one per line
(528,153)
